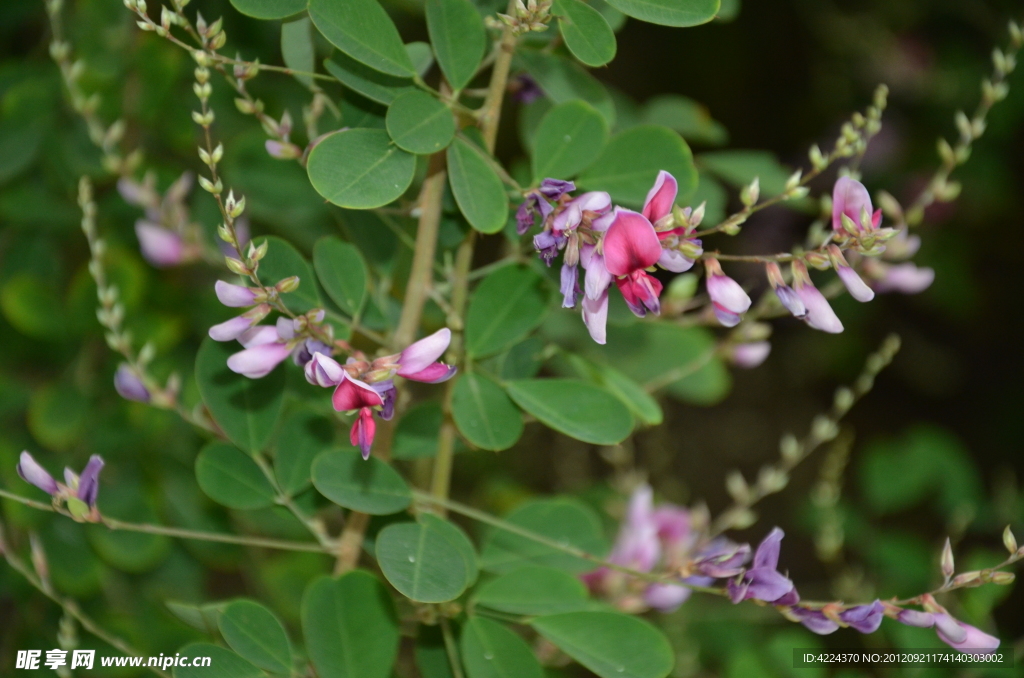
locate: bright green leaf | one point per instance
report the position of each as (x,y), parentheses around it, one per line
(269,9)
(223,663)
(360,168)
(257,635)
(478,189)
(490,650)
(576,408)
(508,305)
(342,272)
(422,561)
(350,626)
(246,409)
(460,542)
(303,436)
(230,477)
(283,261)
(679,13)
(419,123)
(365,485)
(586,33)
(569,139)
(687,117)
(632,159)
(484,414)
(533,590)
(643,406)
(421,55)
(364,31)
(372,84)
(610,644)
(459,38)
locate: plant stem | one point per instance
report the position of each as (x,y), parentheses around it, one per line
(451,649)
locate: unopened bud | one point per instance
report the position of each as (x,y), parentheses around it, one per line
(257,253)
(968,579)
(1002,578)
(794,180)
(697,215)
(790,448)
(771,479)
(218,40)
(239,207)
(823,428)
(946,561)
(750,193)
(737,487)
(289,284)
(843,400)
(1009,541)
(235,266)
(963,124)
(818,161)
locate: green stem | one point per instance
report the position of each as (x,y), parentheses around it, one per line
(451,649)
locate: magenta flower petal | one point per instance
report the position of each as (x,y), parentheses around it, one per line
(230,329)
(661,197)
(89,481)
(159,246)
(258,361)
(352,394)
(32,472)
(641,292)
(630,244)
(434,374)
(595,316)
(421,354)
(235,296)
(363,431)
(322,370)
(849,197)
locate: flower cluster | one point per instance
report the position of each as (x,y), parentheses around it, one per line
(612,244)
(78,492)
(672,540)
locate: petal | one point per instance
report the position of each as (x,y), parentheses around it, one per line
(418,356)
(673,260)
(230,329)
(324,371)
(974,639)
(949,629)
(816,621)
(767,584)
(728,294)
(662,197)
(767,554)
(353,394)
(235,296)
(434,374)
(258,361)
(363,431)
(598,202)
(857,288)
(630,244)
(259,335)
(672,523)
(556,188)
(726,317)
(89,481)
(160,246)
(791,301)
(849,197)
(32,472)
(916,618)
(864,618)
(569,285)
(128,385)
(597,279)
(751,355)
(595,316)
(666,597)
(820,315)
(906,278)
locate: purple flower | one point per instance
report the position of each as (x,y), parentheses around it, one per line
(160,246)
(388,394)
(260,360)
(526,89)
(819,314)
(751,354)
(418,361)
(952,631)
(322,370)
(763,580)
(721,558)
(814,620)
(235,296)
(236,327)
(905,278)
(917,618)
(536,202)
(857,288)
(864,618)
(33,473)
(581,209)
(850,198)
(548,245)
(128,385)
(728,299)
(86,486)
(570,286)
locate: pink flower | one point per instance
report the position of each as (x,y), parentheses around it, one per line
(235,296)
(905,278)
(728,299)
(418,361)
(160,246)
(661,198)
(352,394)
(789,299)
(230,330)
(260,360)
(751,354)
(363,431)
(641,291)
(630,244)
(857,288)
(322,370)
(32,472)
(595,316)
(819,314)
(658,210)
(850,198)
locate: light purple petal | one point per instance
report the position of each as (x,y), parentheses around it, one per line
(767,554)
(767,584)
(89,481)
(258,361)
(666,597)
(421,354)
(916,618)
(32,472)
(128,385)
(258,335)
(323,371)
(820,315)
(791,301)
(726,317)
(597,278)
(973,639)
(595,316)
(864,618)
(849,197)
(906,278)
(857,288)
(160,246)
(751,355)
(673,260)
(949,629)
(569,285)
(235,296)
(728,294)
(815,621)
(230,330)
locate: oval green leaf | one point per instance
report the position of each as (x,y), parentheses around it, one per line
(569,138)
(679,13)
(562,520)
(508,305)
(478,189)
(563,80)
(297,48)
(269,9)
(246,409)
(576,408)
(484,414)
(257,635)
(360,169)
(459,38)
(533,590)
(364,31)
(360,78)
(422,562)
(459,540)
(419,123)
(610,644)
(586,33)
(304,435)
(342,272)
(231,478)
(350,626)
(365,485)
(643,406)
(490,650)
(283,261)
(632,159)
(223,663)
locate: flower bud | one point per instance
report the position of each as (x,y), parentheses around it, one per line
(737,487)
(1009,541)
(946,561)
(235,266)
(1002,578)
(289,284)
(750,193)
(790,448)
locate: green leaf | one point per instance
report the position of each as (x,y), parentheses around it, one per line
(508,305)
(246,409)
(360,168)
(610,644)
(729,10)
(687,117)
(679,13)
(564,80)
(350,626)
(32,306)
(283,261)
(533,590)
(459,38)
(231,478)
(303,436)
(459,540)
(342,272)
(740,167)
(364,31)
(484,414)
(478,189)
(421,55)
(586,33)
(200,617)
(562,520)
(422,561)
(256,635)
(419,123)
(490,650)
(576,408)
(297,48)
(365,485)
(643,406)
(269,9)
(570,137)
(223,663)
(632,159)
(431,654)
(372,84)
